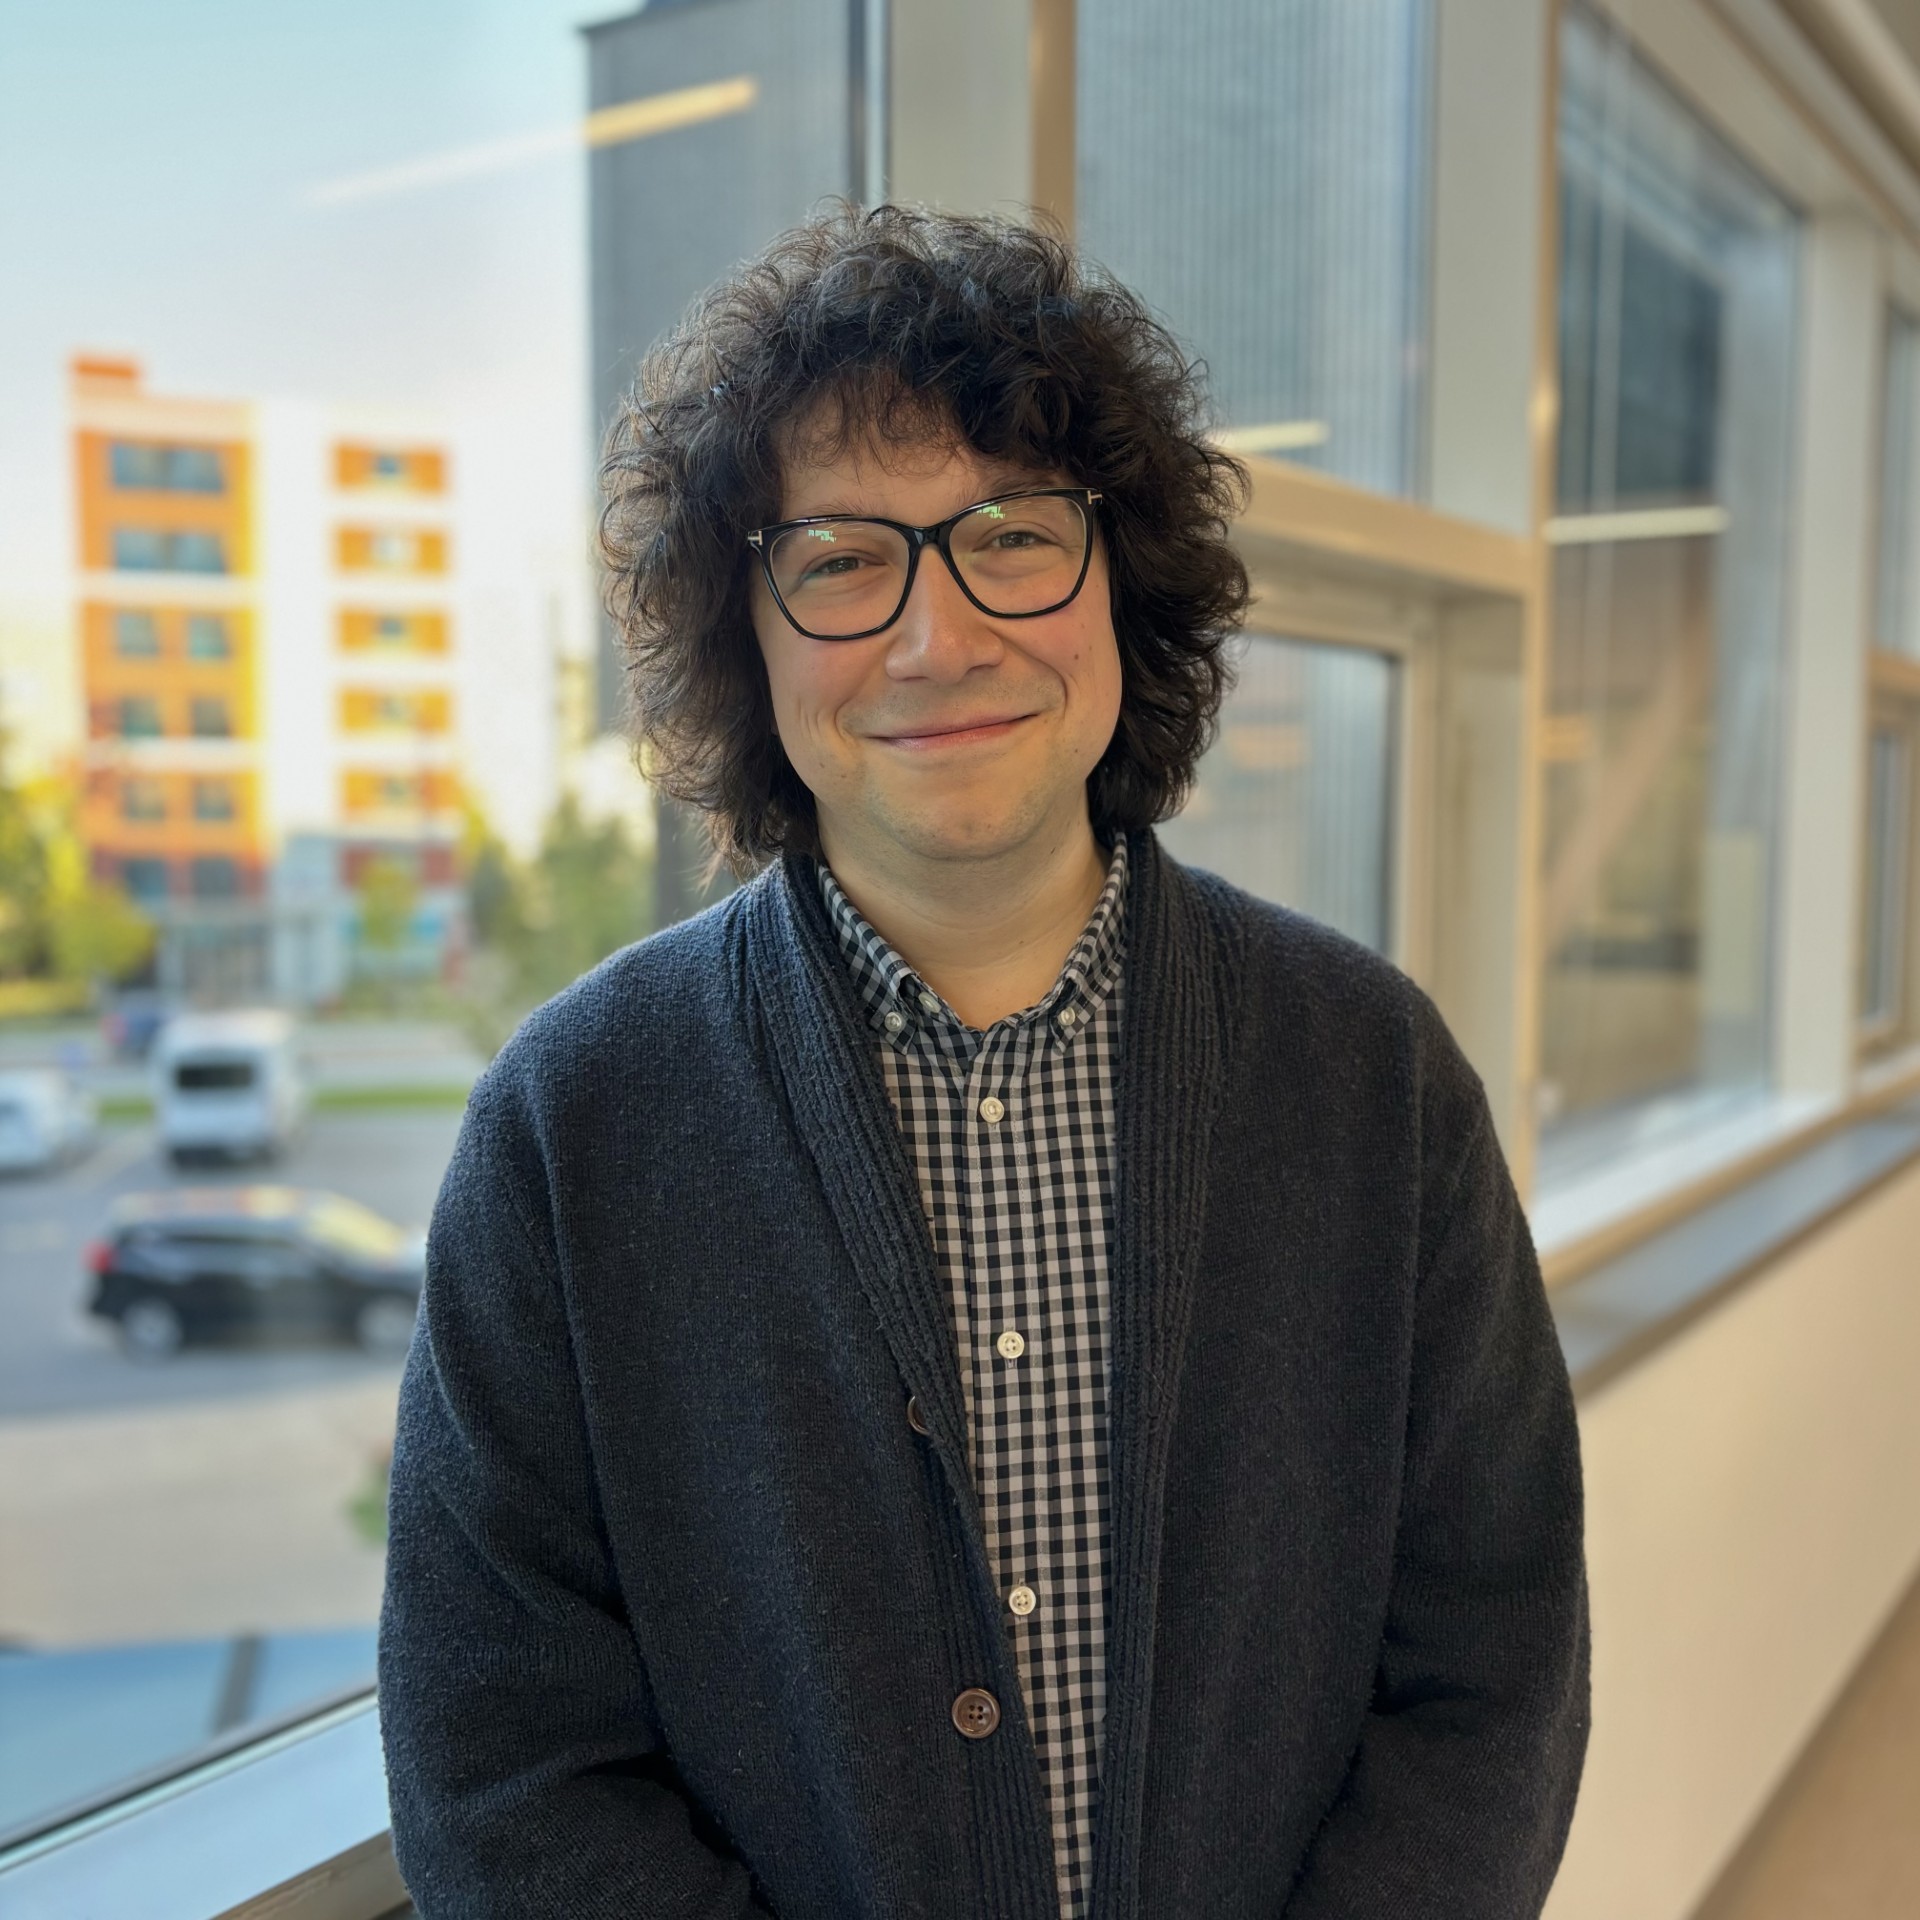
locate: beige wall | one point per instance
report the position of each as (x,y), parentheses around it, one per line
(1752,1519)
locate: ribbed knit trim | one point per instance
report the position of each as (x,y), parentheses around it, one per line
(1183,967)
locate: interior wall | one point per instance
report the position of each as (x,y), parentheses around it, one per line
(1751,1523)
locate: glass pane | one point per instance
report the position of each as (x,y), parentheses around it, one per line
(1897,614)
(1295,800)
(1662,740)
(1889,816)
(1261,171)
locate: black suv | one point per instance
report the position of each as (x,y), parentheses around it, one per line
(202,1263)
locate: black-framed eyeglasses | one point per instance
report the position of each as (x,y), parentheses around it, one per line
(839,576)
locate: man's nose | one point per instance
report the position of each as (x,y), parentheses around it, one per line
(940,635)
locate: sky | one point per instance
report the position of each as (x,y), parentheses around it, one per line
(163,193)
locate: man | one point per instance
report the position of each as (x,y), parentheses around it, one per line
(987,1375)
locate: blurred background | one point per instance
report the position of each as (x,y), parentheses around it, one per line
(1575,352)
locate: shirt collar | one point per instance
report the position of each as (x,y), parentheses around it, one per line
(900,1005)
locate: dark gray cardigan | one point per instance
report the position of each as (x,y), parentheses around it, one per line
(678,1603)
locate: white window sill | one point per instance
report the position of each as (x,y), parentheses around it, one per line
(1580,1206)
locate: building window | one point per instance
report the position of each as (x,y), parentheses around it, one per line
(215,877)
(364,630)
(140,718)
(208,637)
(1897,602)
(389,466)
(392,548)
(213,800)
(136,636)
(145,880)
(148,467)
(1262,174)
(1294,801)
(211,719)
(1662,740)
(142,800)
(199,553)
(147,550)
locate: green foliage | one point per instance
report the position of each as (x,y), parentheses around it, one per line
(388,894)
(23,883)
(542,923)
(54,922)
(97,935)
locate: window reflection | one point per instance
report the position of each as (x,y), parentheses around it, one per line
(1261,171)
(1294,801)
(1662,736)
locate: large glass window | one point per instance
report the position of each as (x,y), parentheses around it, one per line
(1889,859)
(1294,801)
(1896,625)
(1662,741)
(1261,171)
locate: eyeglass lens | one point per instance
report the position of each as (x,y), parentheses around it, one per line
(850,576)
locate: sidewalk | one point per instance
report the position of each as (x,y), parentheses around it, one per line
(189,1522)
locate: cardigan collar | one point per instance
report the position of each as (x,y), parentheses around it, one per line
(1183,967)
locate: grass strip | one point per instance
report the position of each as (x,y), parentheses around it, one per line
(121,1109)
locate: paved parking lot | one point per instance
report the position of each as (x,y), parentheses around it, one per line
(206,1495)
(55,1358)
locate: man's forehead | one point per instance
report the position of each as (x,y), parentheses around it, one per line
(837,466)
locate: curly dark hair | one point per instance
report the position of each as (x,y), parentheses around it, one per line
(909,326)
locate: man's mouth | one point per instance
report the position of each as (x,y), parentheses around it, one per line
(957,733)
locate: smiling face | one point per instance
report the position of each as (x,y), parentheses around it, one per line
(953,734)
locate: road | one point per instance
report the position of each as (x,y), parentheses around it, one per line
(55,1358)
(215,1493)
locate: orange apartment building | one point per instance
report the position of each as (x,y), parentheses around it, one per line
(265,604)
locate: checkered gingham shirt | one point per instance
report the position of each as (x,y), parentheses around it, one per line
(1011,1134)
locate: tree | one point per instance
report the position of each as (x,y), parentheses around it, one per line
(23,881)
(389,895)
(589,892)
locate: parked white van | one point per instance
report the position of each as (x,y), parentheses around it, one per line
(44,1119)
(227,1084)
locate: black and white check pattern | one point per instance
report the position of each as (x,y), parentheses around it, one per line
(1011,1133)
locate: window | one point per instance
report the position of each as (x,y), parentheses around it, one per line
(140,718)
(1662,741)
(142,800)
(391,548)
(208,637)
(145,466)
(213,800)
(1889,864)
(1897,602)
(146,550)
(198,553)
(1294,801)
(215,877)
(139,549)
(136,636)
(1260,171)
(364,630)
(210,718)
(145,880)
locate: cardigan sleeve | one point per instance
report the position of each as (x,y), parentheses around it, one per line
(1458,1799)
(526,1770)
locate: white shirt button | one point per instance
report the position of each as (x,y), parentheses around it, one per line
(1067,1016)
(992,1111)
(894,1021)
(929,1003)
(1010,1345)
(1022,1601)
